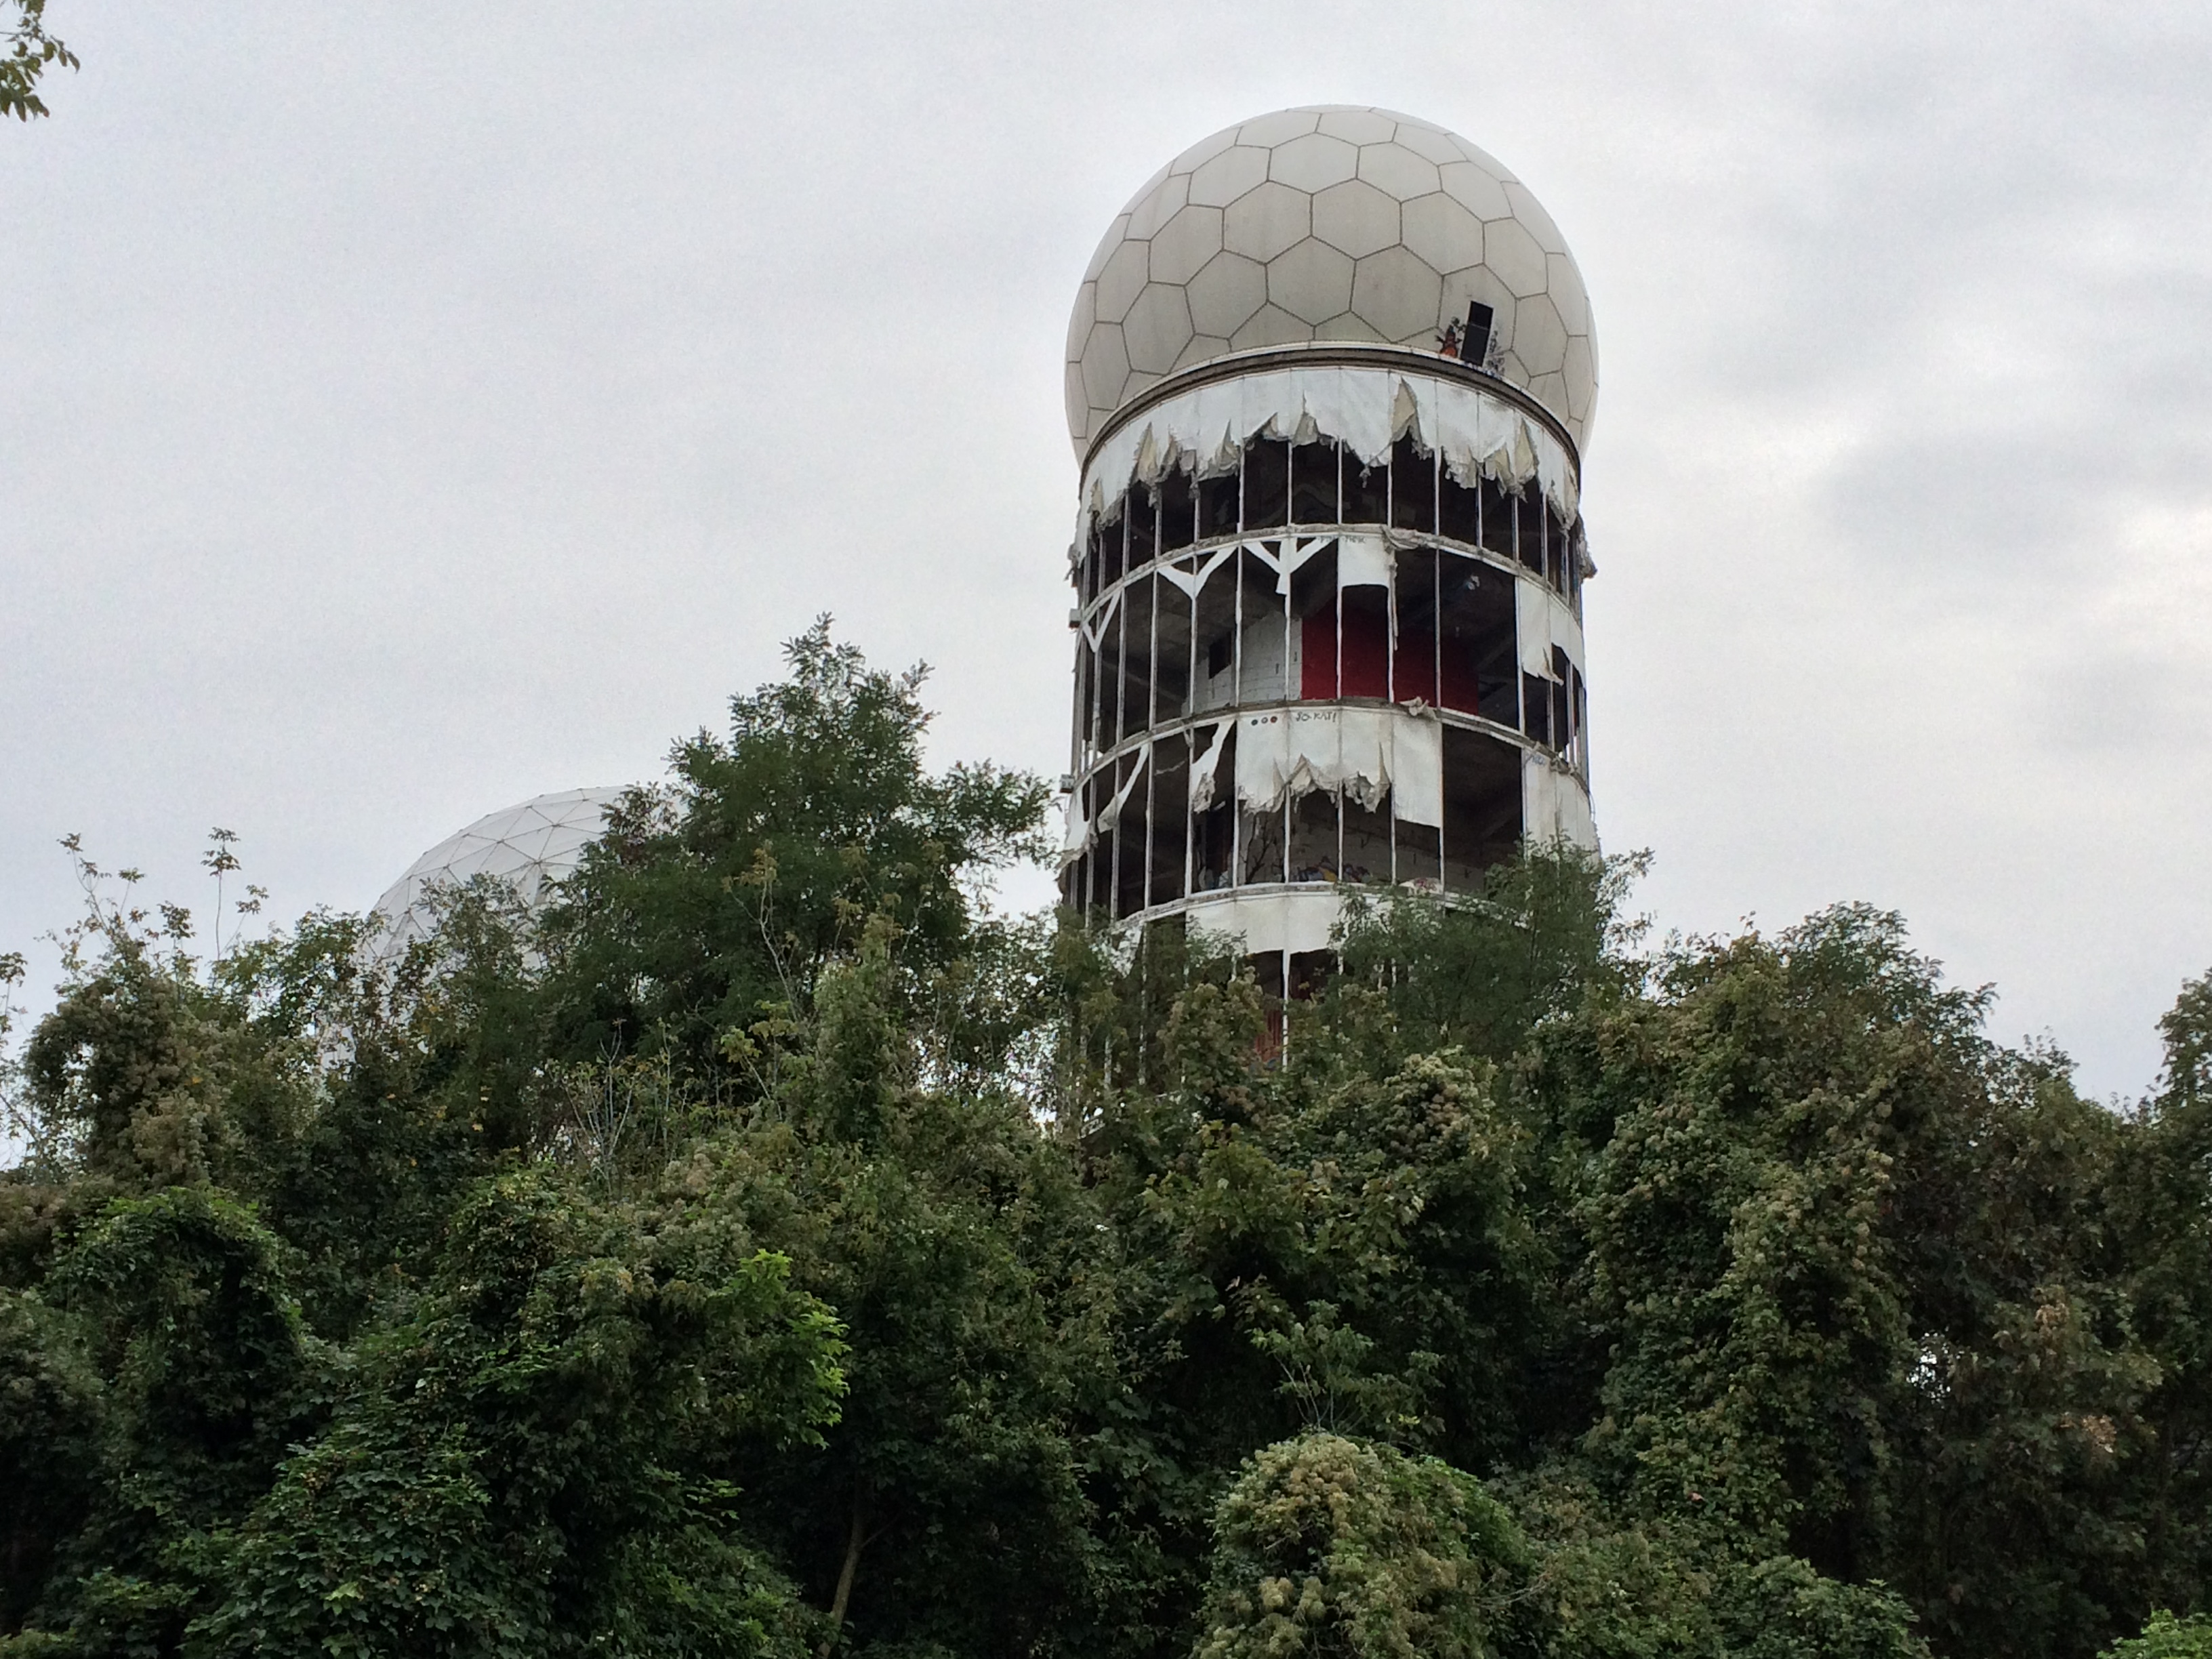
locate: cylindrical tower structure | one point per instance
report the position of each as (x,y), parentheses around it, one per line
(1329,377)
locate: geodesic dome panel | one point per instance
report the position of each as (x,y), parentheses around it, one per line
(1328,223)
(528,847)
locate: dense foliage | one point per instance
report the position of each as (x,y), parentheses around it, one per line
(771,1250)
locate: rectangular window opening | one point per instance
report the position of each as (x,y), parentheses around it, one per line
(1217,504)
(1314,840)
(1266,483)
(1482,806)
(1314,469)
(1412,488)
(1366,492)
(1459,510)
(1170,817)
(1413,665)
(1496,518)
(1178,512)
(1474,347)
(1367,843)
(1144,524)
(1479,637)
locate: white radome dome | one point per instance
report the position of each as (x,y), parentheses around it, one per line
(1328,223)
(529,847)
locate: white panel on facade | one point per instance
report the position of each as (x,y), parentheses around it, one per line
(1481,435)
(1269,922)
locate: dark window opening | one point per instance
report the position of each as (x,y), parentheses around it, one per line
(1129,840)
(1314,469)
(1212,830)
(1110,535)
(1475,348)
(1171,812)
(1263,836)
(1528,531)
(1419,856)
(1460,510)
(1367,843)
(1218,654)
(1217,506)
(1137,657)
(1412,488)
(1144,518)
(1313,837)
(1496,518)
(1536,706)
(1482,806)
(1086,679)
(1308,973)
(1266,483)
(1366,492)
(1172,650)
(1479,634)
(1178,512)
(1413,668)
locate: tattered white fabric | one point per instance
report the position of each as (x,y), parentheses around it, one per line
(1362,562)
(1417,768)
(1205,765)
(1481,435)
(1366,753)
(1577,828)
(1082,828)
(1554,807)
(1542,619)
(1076,838)
(1268,922)
(1110,814)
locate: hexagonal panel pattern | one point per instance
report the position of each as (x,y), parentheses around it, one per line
(528,847)
(1328,223)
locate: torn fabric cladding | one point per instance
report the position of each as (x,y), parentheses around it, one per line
(1541,620)
(1075,840)
(1370,755)
(1481,435)
(1362,562)
(1110,814)
(1204,766)
(1269,923)
(1554,807)
(1578,827)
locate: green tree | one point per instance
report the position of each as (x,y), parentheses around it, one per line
(703,921)
(30,53)
(517,1467)
(1331,1545)
(2166,1638)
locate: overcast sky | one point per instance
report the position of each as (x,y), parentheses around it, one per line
(402,413)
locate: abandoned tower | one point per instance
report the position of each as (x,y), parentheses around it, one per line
(1329,378)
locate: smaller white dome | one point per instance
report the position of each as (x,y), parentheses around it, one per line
(528,847)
